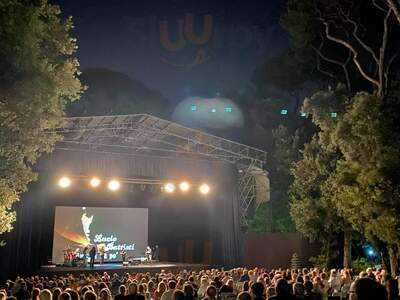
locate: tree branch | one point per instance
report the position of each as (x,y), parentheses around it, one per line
(355,55)
(319,68)
(356,36)
(378,6)
(382,51)
(332,61)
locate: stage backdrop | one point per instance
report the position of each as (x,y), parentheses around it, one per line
(116,228)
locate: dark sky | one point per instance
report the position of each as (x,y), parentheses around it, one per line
(126,36)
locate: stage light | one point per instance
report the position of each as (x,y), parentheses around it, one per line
(95,182)
(169,187)
(114,185)
(64,182)
(204,189)
(184,186)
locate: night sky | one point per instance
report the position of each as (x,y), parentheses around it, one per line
(126,36)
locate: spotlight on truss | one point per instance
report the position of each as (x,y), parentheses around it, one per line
(169,187)
(64,182)
(184,186)
(114,185)
(204,189)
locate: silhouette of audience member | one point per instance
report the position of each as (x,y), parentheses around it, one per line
(367,289)
(178,295)
(211,293)
(121,293)
(243,296)
(257,291)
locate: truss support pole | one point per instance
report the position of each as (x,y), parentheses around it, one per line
(247,192)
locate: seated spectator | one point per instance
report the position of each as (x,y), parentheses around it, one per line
(74,294)
(133,292)
(367,289)
(188,291)
(178,295)
(89,295)
(227,288)
(3,295)
(257,291)
(245,276)
(298,291)
(161,288)
(121,293)
(105,294)
(56,293)
(243,296)
(35,294)
(170,292)
(283,290)
(201,292)
(64,296)
(309,293)
(46,295)
(211,293)
(246,286)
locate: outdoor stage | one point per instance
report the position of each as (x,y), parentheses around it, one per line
(153,267)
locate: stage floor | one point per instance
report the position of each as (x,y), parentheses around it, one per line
(153,267)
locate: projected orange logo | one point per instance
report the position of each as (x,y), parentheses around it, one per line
(188,49)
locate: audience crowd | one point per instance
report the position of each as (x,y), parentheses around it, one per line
(214,284)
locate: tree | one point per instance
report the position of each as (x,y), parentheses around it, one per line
(314,213)
(349,38)
(366,184)
(38,78)
(312,208)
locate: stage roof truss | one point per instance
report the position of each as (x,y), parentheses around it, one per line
(142,134)
(149,135)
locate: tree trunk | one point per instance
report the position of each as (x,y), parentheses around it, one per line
(383,262)
(393,257)
(347,248)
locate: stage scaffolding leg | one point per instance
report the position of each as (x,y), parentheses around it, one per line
(247,193)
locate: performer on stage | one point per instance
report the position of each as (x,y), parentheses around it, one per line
(148,253)
(102,251)
(84,253)
(92,254)
(123,256)
(156,253)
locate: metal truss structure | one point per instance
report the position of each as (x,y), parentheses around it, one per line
(142,134)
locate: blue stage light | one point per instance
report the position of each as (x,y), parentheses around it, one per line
(228,109)
(284,112)
(213,110)
(333,114)
(193,108)
(303,114)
